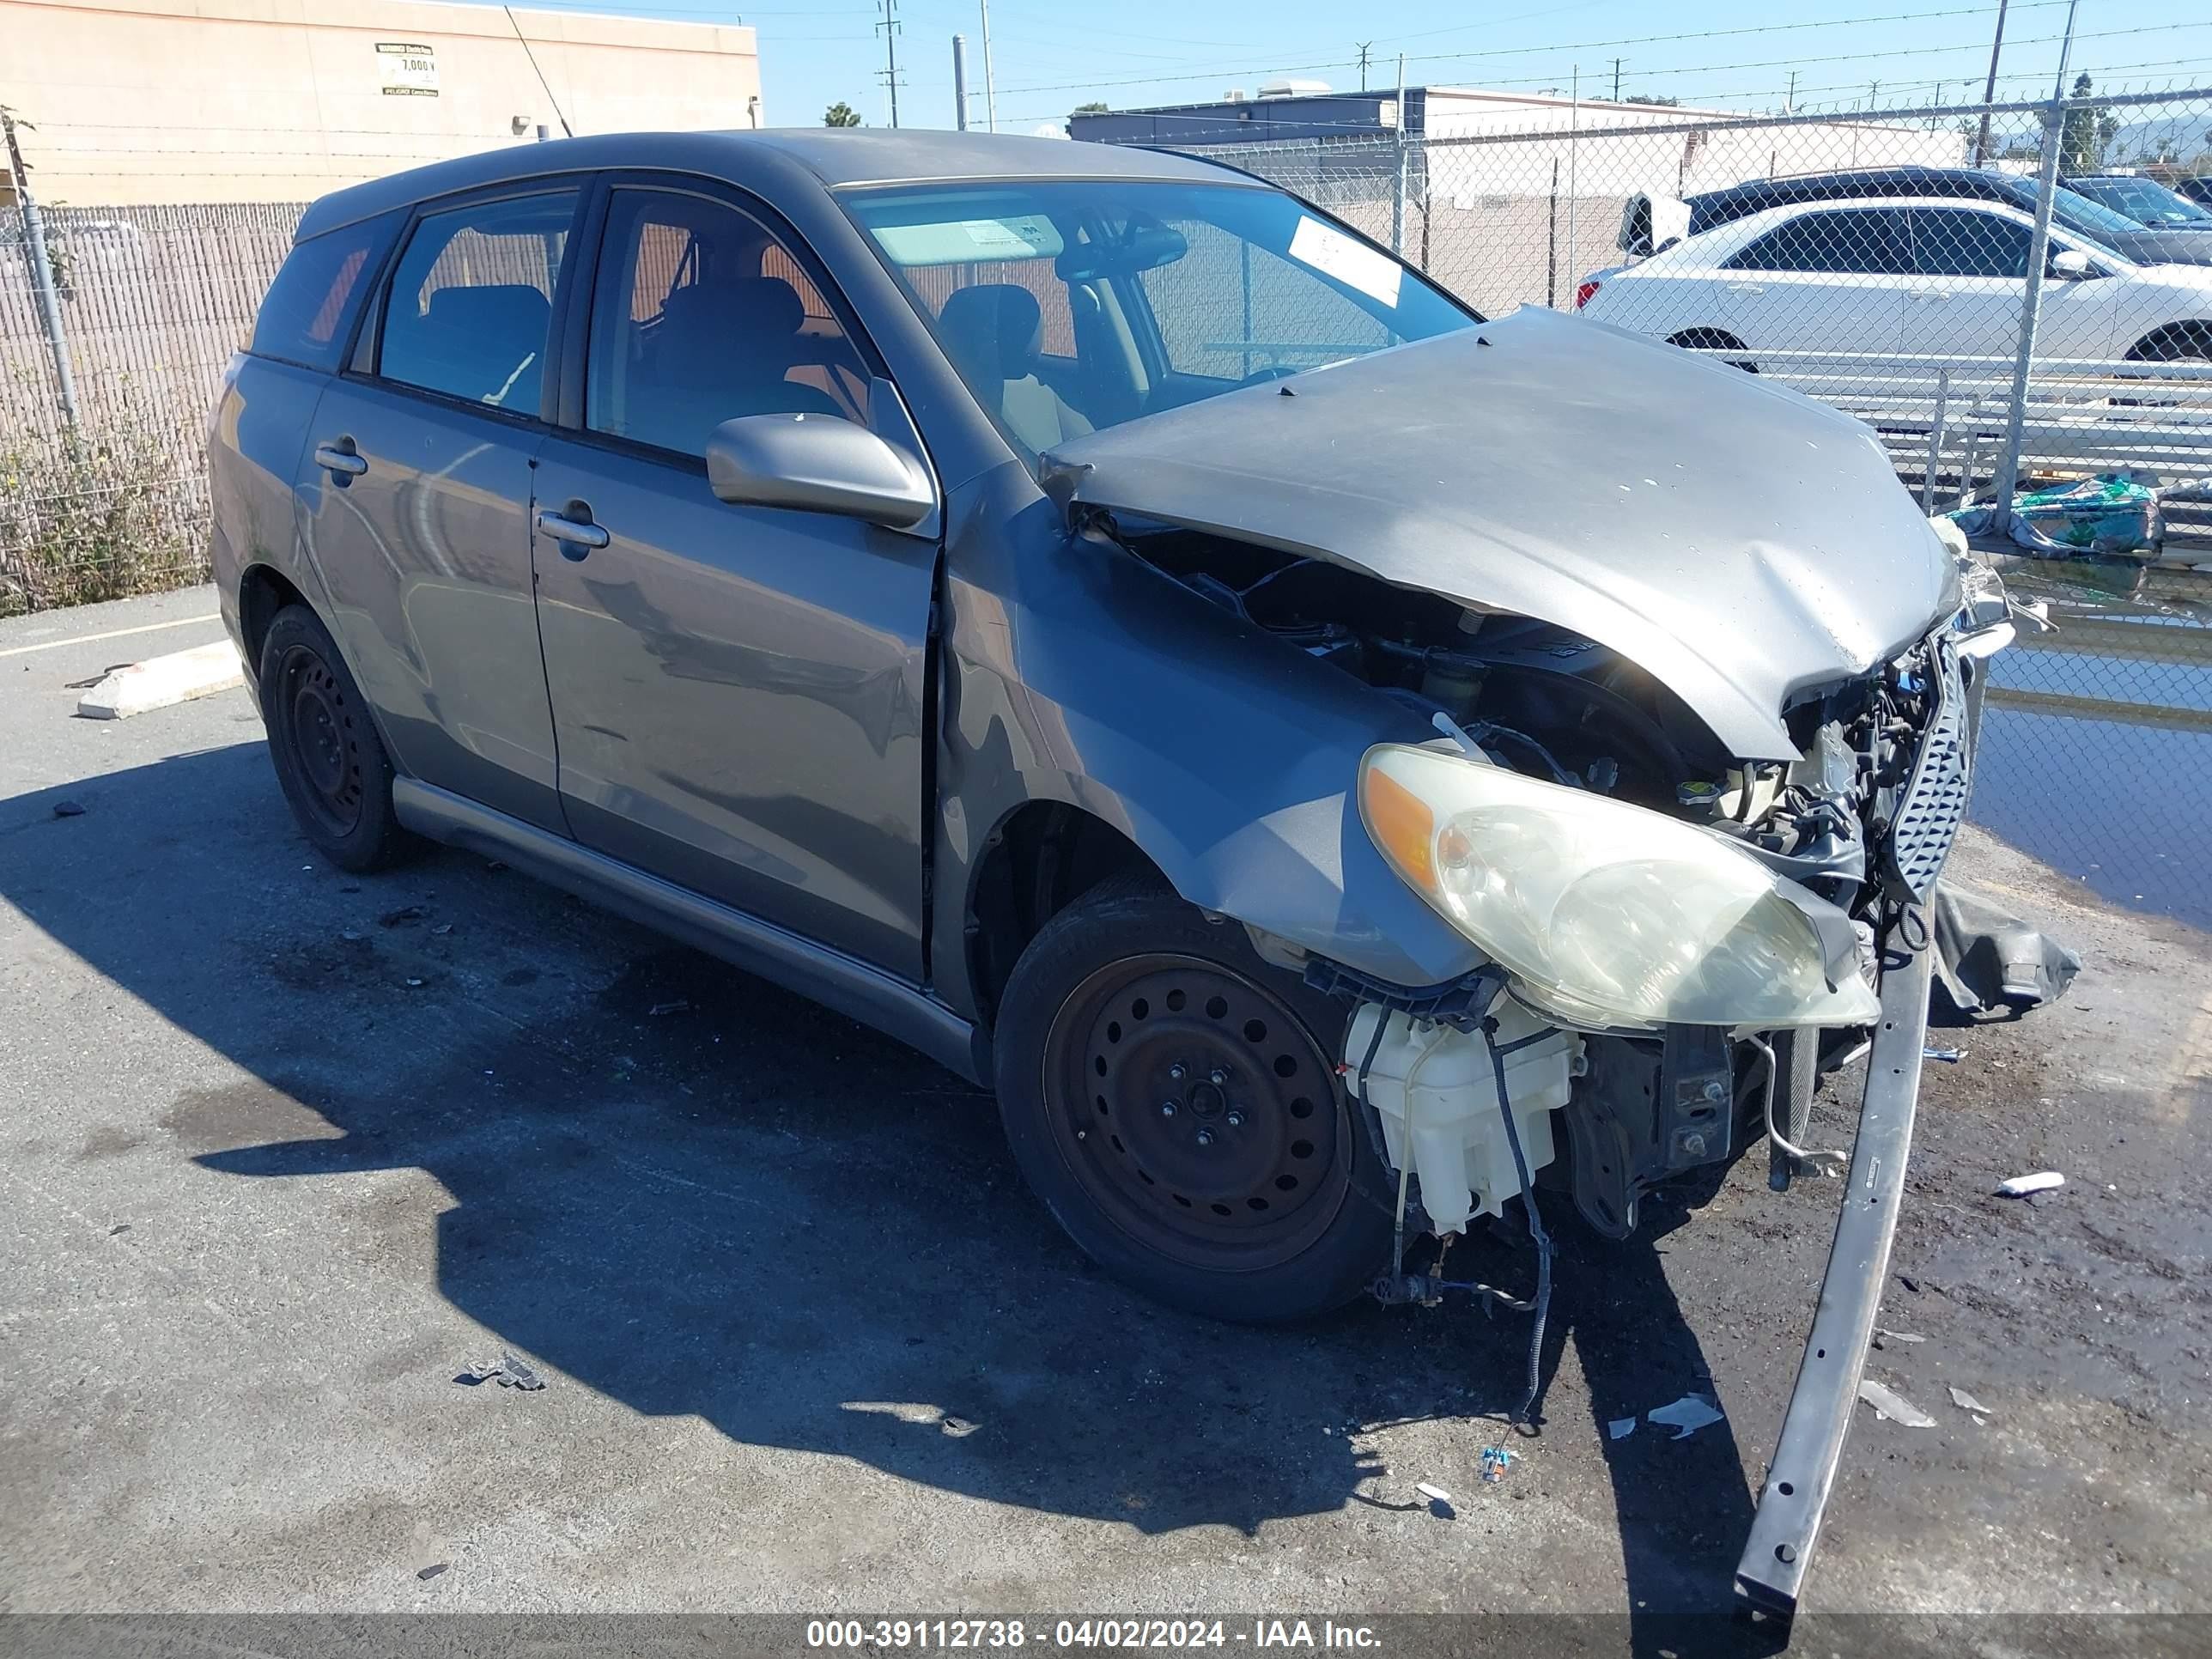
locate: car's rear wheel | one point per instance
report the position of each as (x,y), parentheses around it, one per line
(1175,1102)
(329,762)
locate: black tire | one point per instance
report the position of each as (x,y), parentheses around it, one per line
(1260,1198)
(330,761)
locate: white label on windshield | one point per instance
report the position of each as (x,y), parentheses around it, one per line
(965,241)
(1332,254)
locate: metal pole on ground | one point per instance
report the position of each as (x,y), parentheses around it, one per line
(2030,309)
(42,272)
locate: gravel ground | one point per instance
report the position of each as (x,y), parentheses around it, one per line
(287,1151)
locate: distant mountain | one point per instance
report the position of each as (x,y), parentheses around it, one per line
(2183,137)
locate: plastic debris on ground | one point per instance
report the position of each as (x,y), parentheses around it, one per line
(1952,1055)
(1619,1428)
(1496,1459)
(2043,1180)
(1434,1494)
(507,1372)
(1882,1335)
(1966,1402)
(1685,1416)
(2107,516)
(1887,1402)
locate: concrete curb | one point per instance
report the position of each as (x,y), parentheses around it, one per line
(159,682)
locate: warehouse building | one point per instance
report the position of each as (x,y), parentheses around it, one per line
(142,102)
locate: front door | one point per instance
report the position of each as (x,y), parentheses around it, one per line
(737,691)
(1970,281)
(417,495)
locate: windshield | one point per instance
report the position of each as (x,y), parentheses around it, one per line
(1071,305)
(2079,213)
(2143,200)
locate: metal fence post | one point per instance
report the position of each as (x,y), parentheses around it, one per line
(42,271)
(1398,151)
(2031,312)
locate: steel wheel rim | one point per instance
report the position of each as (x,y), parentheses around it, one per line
(1251,1166)
(317,719)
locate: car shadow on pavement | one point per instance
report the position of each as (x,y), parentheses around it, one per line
(697,1193)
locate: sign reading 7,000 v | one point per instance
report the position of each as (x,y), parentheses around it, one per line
(408,70)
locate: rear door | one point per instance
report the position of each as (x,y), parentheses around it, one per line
(1826,280)
(417,494)
(737,691)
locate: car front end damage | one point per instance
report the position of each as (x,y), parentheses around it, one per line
(1628,1034)
(1675,751)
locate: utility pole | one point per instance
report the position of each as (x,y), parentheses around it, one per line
(1363,46)
(42,271)
(1989,90)
(889,26)
(1616,80)
(960,81)
(990,86)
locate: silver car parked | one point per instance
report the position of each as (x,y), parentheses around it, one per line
(1331,763)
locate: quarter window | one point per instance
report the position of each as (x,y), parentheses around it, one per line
(303,319)
(472,299)
(1856,241)
(702,315)
(1955,242)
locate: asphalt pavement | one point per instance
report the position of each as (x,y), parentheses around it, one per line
(286,1154)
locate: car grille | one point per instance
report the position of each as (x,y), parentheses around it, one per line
(1934,803)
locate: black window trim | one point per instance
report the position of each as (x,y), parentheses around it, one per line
(359,363)
(1829,209)
(566,400)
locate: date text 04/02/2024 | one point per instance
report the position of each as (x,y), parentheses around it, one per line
(1088,1633)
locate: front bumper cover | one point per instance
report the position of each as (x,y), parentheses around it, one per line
(1803,1468)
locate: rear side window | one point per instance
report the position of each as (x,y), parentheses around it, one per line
(1854,241)
(471,300)
(309,308)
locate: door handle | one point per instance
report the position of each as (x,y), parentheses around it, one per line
(341,460)
(577,536)
(1744,287)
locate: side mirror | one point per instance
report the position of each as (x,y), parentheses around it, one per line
(2072,264)
(818,464)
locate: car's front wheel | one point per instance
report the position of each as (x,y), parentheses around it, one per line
(1174,1100)
(330,761)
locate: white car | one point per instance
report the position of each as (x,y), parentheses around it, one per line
(1919,276)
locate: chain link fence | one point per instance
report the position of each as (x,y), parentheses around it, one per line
(1881,261)
(1991,321)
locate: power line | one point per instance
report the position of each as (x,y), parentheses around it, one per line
(538,72)
(1579,46)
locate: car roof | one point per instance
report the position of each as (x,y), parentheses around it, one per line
(1715,207)
(831,157)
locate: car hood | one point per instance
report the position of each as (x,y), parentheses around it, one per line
(2153,246)
(1740,543)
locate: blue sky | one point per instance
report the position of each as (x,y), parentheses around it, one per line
(1050,55)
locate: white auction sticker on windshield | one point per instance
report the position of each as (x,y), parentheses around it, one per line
(1332,254)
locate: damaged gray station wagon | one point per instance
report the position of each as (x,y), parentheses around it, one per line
(1335,765)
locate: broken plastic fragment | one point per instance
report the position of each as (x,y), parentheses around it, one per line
(1685,1416)
(1619,1428)
(1887,1402)
(1966,1402)
(2042,1181)
(1434,1494)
